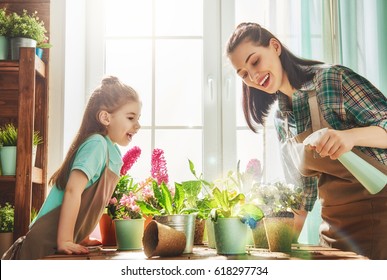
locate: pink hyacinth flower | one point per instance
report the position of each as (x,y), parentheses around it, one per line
(159,166)
(129,159)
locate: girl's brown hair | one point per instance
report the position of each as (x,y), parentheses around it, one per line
(109,96)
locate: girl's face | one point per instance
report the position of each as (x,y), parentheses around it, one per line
(123,124)
(259,67)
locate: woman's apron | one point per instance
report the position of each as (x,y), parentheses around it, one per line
(41,239)
(353,219)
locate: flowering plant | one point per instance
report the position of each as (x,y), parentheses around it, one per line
(277,197)
(27,26)
(122,204)
(159,198)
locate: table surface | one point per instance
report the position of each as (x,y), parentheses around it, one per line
(202,252)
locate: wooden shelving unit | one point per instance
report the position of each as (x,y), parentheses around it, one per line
(24,102)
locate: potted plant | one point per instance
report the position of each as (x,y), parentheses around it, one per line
(279,201)
(128,222)
(8,143)
(26,30)
(4,30)
(7,213)
(167,203)
(232,216)
(198,196)
(125,184)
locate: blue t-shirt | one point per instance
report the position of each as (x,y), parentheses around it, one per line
(91,160)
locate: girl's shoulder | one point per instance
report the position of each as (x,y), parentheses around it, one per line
(95,140)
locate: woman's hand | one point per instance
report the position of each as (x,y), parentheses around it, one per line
(334,143)
(70,248)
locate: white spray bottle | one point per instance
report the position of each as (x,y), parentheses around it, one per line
(370,177)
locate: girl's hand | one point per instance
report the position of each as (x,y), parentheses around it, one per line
(70,248)
(334,143)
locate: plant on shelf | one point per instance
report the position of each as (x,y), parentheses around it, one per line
(7,213)
(8,136)
(27,26)
(4,22)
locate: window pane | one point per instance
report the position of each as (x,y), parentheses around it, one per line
(179,146)
(128,18)
(179,82)
(179,17)
(131,61)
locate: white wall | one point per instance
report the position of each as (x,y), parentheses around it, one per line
(67,76)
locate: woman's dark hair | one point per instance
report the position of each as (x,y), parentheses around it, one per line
(110,96)
(256,103)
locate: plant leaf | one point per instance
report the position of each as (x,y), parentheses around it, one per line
(166,201)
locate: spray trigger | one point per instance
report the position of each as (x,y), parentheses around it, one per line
(314,137)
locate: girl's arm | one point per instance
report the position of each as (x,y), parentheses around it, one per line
(69,213)
(334,143)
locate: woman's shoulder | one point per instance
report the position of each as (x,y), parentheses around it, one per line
(331,71)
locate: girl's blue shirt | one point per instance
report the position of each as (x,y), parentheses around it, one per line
(90,159)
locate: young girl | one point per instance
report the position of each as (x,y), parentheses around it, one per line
(312,95)
(84,183)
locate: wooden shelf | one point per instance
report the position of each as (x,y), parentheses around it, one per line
(24,102)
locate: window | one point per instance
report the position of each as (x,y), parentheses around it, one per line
(172,53)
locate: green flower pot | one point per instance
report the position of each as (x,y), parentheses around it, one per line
(3,48)
(210,233)
(129,234)
(230,236)
(8,160)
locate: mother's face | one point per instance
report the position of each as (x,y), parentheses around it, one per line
(259,67)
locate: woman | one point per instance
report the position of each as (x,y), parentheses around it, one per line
(312,95)
(84,183)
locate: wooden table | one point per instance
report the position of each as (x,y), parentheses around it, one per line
(299,252)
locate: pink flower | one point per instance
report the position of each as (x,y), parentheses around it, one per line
(129,159)
(113,200)
(159,167)
(254,168)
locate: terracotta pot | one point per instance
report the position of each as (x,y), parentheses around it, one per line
(199,231)
(108,232)
(148,219)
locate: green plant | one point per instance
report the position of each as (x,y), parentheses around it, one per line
(36,138)
(27,26)
(198,193)
(8,136)
(163,202)
(4,22)
(7,213)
